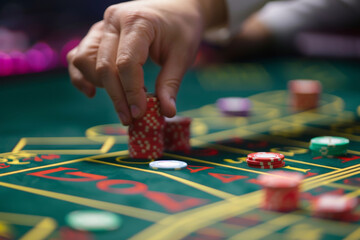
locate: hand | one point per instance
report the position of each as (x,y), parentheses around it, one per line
(113,52)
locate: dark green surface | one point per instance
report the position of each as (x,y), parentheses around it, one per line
(46,107)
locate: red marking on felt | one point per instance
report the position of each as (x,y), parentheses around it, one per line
(310,174)
(3,165)
(71,234)
(50,156)
(254,181)
(227,178)
(348,159)
(261,144)
(136,188)
(174,202)
(37,159)
(85,177)
(316,158)
(199,168)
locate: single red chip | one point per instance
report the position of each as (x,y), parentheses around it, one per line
(263,163)
(271,166)
(266,156)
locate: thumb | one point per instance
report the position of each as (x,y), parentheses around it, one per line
(168,84)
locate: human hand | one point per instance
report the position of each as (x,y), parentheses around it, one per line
(113,52)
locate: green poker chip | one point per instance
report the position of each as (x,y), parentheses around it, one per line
(329,146)
(93,220)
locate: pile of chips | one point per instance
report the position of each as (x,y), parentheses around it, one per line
(234,106)
(177,134)
(304,94)
(281,190)
(329,146)
(146,135)
(266,160)
(333,206)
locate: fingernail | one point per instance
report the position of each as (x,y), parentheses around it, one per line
(123,118)
(135,111)
(172,101)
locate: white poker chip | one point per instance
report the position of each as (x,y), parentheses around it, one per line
(93,220)
(168,164)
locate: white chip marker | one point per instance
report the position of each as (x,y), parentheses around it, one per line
(168,164)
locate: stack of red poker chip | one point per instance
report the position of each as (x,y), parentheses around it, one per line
(281,190)
(146,135)
(337,207)
(265,160)
(177,134)
(304,94)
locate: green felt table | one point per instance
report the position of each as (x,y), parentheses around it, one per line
(61,152)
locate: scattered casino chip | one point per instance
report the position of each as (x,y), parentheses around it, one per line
(304,94)
(177,134)
(234,106)
(266,156)
(146,135)
(329,146)
(269,166)
(168,164)
(93,220)
(281,190)
(265,163)
(338,207)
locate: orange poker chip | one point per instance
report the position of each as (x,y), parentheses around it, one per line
(266,157)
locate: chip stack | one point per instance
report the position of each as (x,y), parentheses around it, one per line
(177,134)
(304,94)
(281,190)
(329,146)
(265,160)
(146,135)
(337,207)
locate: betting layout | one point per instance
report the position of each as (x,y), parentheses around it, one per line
(281,195)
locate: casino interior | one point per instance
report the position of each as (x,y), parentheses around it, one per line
(265,143)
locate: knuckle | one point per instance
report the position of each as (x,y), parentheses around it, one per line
(102,65)
(110,13)
(124,61)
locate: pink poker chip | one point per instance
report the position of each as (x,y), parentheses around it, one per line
(266,156)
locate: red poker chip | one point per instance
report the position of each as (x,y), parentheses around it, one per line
(264,163)
(266,156)
(273,166)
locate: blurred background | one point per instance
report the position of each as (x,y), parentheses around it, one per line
(35,36)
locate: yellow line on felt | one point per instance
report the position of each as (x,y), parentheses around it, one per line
(107,145)
(343,186)
(354,193)
(40,167)
(67,162)
(19,145)
(144,214)
(355,235)
(209,190)
(312,185)
(212,163)
(332,174)
(243,151)
(63,140)
(20,219)
(262,230)
(329,173)
(168,228)
(41,231)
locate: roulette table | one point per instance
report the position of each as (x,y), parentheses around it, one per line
(61,152)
